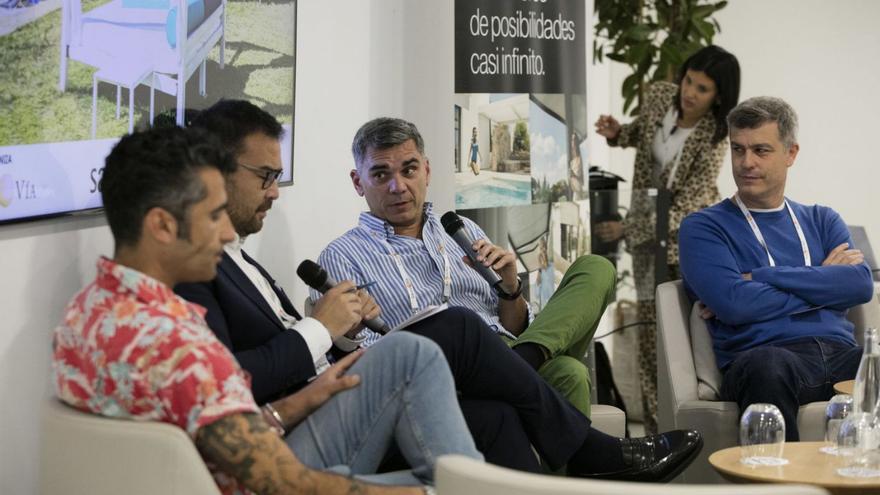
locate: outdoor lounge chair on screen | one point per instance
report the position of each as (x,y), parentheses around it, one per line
(133,42)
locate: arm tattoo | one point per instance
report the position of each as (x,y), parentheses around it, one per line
(245,447)
(241,445)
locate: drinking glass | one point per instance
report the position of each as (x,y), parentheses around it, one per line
(838,408)
(762,436)
(857,443)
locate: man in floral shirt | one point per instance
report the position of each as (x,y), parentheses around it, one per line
(128,347)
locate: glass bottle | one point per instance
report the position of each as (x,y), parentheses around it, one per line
(866,389)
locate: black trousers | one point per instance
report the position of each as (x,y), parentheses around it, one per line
(506,403)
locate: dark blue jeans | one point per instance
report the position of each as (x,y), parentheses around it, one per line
(790,374)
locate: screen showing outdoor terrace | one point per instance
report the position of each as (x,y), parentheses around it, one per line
(76,75)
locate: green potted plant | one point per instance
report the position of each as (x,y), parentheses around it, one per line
(652,37)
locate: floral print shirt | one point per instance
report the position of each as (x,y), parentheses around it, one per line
(128,347)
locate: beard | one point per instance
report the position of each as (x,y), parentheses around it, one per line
(245,220)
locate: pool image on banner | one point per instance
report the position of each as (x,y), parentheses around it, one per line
(493,157)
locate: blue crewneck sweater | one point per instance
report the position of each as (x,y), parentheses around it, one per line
(781,303)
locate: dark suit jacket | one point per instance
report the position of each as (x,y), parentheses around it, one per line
(278,359)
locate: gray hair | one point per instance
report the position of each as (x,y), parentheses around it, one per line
(384,133)
(761,110)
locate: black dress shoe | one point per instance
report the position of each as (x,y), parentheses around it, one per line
(657,458)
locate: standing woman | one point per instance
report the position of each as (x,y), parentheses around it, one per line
(680,138)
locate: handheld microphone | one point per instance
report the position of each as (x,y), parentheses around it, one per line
(455,228)
(317,278)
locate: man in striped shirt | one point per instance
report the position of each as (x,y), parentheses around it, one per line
(400,245)
(510,404)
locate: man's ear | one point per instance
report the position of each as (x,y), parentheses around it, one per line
(356,182)
(427,172)
(160,226)
(792,153)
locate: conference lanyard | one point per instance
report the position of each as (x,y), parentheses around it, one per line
(755,230)
(408,283)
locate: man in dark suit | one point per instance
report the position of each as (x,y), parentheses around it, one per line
(507,405)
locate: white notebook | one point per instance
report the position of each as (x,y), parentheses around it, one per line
(421,315)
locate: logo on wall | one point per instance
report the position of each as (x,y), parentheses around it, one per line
(7,189)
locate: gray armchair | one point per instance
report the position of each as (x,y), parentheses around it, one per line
(688,380)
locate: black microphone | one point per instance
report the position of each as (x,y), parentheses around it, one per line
(317,278)
(455,228)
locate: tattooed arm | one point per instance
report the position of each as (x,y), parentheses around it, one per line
(244,446)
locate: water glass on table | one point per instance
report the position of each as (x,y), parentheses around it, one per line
(838,408)
(857,443)
(762,436)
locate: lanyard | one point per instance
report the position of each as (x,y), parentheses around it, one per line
(760,237)
(674,168)
(407,280)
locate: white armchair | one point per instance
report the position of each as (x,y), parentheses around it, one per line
(86,454)
(457,475)
(688,380)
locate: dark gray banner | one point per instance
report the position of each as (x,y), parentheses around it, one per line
(519,46)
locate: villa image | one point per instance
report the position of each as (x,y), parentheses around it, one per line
(493,156)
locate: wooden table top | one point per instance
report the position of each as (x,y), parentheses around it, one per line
(806,465)
(844,387)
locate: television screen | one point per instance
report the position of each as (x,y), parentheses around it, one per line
(77,75)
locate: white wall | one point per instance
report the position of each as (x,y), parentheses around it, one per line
(821,57)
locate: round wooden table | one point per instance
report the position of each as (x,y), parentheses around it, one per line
(806,465)
(844,387)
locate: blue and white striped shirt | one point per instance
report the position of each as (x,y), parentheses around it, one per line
(365,254)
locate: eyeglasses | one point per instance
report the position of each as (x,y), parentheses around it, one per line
(269,176)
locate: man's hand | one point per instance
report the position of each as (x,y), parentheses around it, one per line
(500,259)
(843,256)
(705,312)
(369,310)
(609,231)
(340,309)
(296,407)
(331,382)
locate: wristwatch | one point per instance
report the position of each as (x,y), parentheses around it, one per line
(509,297)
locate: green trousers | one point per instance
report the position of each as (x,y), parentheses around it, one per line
(567,324)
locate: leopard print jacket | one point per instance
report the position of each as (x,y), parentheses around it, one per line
(694,186)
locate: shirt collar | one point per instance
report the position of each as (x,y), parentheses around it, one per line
(123,280)
(235,246)
(380,226)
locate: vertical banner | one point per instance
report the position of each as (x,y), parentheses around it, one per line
(520,130)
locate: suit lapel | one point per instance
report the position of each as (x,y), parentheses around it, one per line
(230,270)
(282,296)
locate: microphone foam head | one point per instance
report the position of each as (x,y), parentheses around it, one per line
(451,222)
(312,274)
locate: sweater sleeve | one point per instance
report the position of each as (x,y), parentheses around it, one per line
(712,272)
(834,286)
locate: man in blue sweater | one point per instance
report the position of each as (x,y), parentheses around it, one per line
(775,277)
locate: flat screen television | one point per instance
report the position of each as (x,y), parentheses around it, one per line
(121,67)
